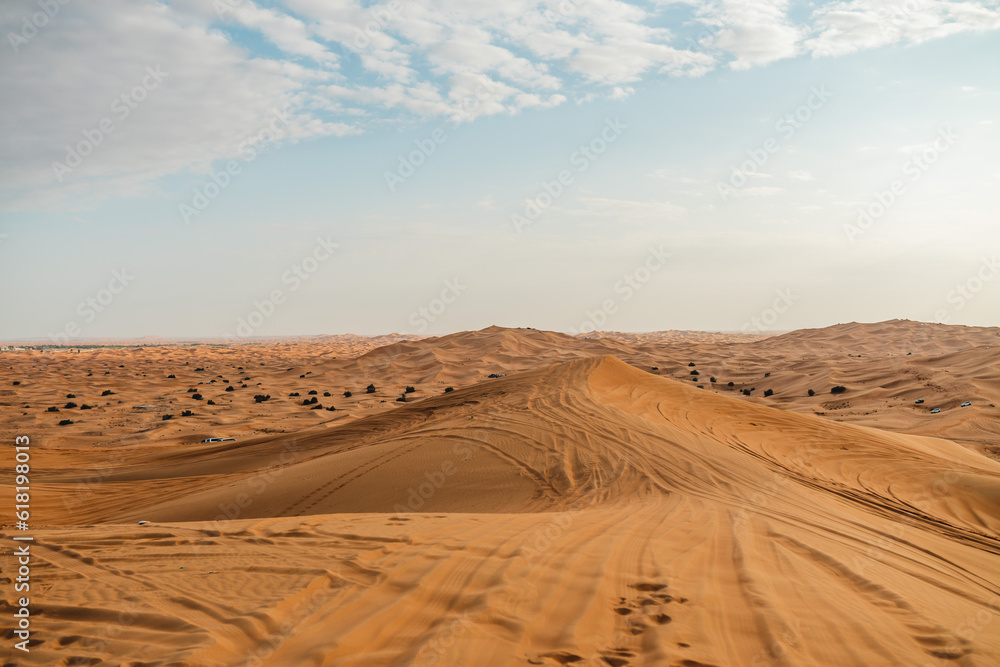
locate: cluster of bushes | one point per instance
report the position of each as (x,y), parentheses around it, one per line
(370,389)
(838,390)
(260,398)
(310,401)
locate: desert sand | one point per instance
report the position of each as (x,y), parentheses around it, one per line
(602,502)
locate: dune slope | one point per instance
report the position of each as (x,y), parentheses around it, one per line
(585,513)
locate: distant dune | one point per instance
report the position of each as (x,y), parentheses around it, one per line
(600,501)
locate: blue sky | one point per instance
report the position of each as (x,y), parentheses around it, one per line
(715,159)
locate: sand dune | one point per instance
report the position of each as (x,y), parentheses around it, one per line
(580,512)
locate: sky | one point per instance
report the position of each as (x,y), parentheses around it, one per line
(229,168)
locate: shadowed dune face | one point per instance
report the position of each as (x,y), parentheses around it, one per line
(581,513)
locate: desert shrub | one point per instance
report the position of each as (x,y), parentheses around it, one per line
(331,409)
(448,390)
(695,373)
(370,389)
(16,382)
(187,413)
(69,405)
(66,422)
(656,368)
(192,391)
(746,392)
(316,407)
(53,409)
(409,390)
(838,390)
(171,377)
(313,392)
(326,393)
(310,401)
(243,386)
(401,399)
(812,393)
(166,417)
(209,402)
(260,398)
(691,364)
(196,397)
(347,394)
(86,407)
(230,388)
(767,375)
(730,384)
(302,376)
(70,395)
(294,393)
(712,380)
(769,392)
(199,369)
(107,392)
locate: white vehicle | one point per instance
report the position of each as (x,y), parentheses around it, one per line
(919,401)
(935,411)
(966,404)
(218,439)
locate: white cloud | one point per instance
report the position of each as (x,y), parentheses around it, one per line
(66,81)
(757,33)
(801,175)
(341,66)
(845,27)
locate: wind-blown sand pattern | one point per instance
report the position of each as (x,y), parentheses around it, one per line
(582,510)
